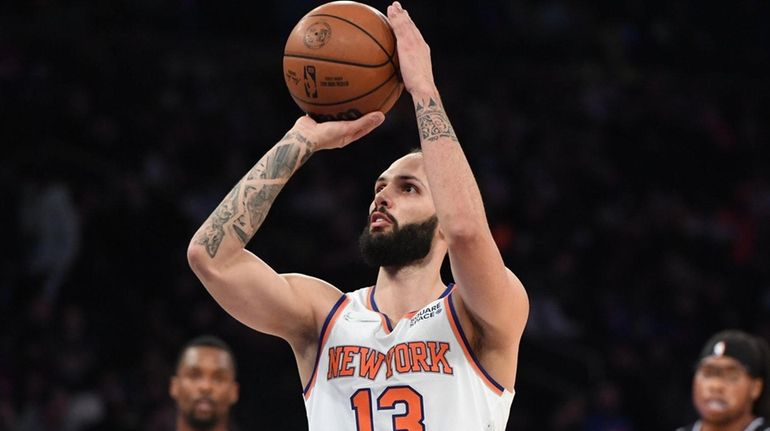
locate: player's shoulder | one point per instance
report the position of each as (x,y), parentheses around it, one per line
(305,280)
(319,291)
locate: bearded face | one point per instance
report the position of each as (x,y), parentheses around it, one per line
(204,387)
(400,246)
(200,422)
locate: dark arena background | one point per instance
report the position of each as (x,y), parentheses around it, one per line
(622,149)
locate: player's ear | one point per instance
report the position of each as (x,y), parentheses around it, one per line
(173,387)
(235,393)
(756,388)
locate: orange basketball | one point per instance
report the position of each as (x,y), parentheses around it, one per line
(340,62)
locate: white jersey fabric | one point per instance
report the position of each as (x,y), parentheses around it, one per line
(419,375)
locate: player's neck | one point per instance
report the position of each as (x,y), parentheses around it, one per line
(736,425)
(182,425)
(407,289)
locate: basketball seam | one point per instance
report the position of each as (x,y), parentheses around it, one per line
(348,100)
(388,97)
(389,55)
(349,63)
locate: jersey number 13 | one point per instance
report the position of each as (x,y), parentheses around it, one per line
(410,420)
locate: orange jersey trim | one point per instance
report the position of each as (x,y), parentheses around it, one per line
(334,313)
(454,322)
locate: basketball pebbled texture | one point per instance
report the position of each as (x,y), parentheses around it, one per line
(340,62)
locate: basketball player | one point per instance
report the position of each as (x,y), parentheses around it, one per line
(729,388)
(410,352)
(204,386)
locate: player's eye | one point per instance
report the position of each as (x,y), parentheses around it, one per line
(410,188)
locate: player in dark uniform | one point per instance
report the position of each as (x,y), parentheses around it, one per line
(729,389)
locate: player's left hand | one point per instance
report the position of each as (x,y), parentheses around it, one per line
(337,134)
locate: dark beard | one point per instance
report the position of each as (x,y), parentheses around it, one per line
(400,247)
(201,424)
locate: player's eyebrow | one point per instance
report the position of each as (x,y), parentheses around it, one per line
(401,178)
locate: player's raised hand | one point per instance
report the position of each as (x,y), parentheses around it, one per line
(413,52)
(336,134)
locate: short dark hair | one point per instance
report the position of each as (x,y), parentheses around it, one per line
(208,341)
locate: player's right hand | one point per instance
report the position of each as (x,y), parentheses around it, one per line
(337,134)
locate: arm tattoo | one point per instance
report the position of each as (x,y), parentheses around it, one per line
(245,207)
(433,123)
(214,232)
(258,204)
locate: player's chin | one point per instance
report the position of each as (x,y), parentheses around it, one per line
(379,230)
(203,419)
(203,414)
(715,415)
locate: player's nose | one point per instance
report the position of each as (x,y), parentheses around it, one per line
(205,385)
(383,198)
(714,386)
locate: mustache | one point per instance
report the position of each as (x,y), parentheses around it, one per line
(384,211)
(203,398)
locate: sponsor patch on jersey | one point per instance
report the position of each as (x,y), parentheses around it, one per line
(426,313)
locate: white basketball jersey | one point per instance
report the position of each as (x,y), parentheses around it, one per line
(419,375)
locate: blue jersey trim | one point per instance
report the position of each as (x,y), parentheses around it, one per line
(448,289)
(377,309)
(321,338)
(468,345)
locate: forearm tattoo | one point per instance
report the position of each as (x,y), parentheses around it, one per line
(244,209)
(432,121)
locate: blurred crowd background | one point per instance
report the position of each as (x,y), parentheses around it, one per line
(622,149)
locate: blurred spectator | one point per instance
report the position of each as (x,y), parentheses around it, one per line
(204,386)
(728,389)
(51,226)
